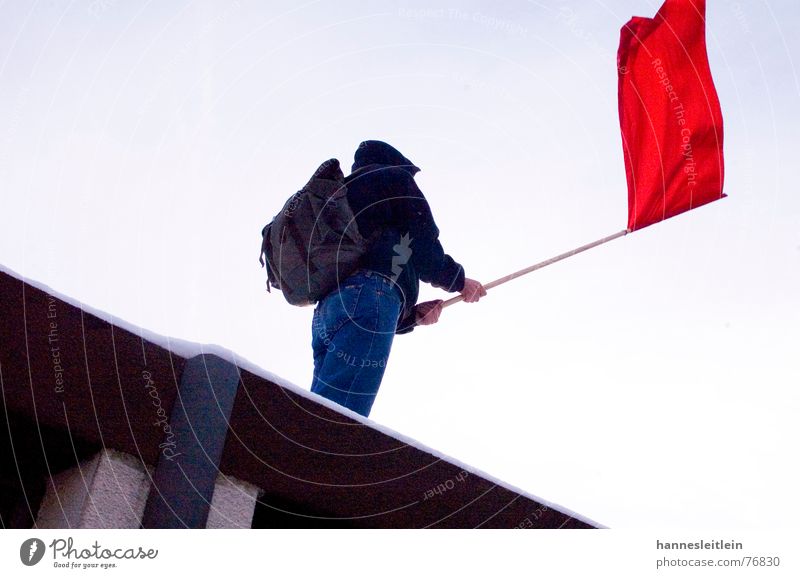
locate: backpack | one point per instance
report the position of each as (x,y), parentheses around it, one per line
(313,243)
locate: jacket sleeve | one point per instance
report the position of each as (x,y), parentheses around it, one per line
(433,265)
(407,323)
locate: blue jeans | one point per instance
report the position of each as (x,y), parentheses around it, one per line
(352,335)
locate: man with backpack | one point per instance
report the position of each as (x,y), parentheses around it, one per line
(354,324)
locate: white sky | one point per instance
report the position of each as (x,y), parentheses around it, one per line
(648,383)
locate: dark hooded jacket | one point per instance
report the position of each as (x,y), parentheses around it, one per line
(392,211)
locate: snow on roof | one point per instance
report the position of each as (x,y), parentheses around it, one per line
(188,349)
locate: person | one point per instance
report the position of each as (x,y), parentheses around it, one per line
(354,326)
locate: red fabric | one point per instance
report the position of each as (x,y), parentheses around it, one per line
(669,114)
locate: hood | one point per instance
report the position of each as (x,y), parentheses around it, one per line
(375,152)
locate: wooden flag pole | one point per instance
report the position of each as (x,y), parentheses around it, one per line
(527,270)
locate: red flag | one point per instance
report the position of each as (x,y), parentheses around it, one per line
(669,114)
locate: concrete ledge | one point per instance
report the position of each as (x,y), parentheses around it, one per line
(108,491)
(233,504)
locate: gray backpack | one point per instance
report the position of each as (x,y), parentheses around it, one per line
(313,244)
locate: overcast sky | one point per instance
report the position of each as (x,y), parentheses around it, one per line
(652,382)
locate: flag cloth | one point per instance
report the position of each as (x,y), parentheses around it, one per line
(669,114)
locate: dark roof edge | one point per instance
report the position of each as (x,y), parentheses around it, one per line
(188,349)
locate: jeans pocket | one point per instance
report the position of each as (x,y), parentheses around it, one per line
(342,305)
(352,299)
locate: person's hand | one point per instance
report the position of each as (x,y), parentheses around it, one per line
(472,291)
(428,312)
